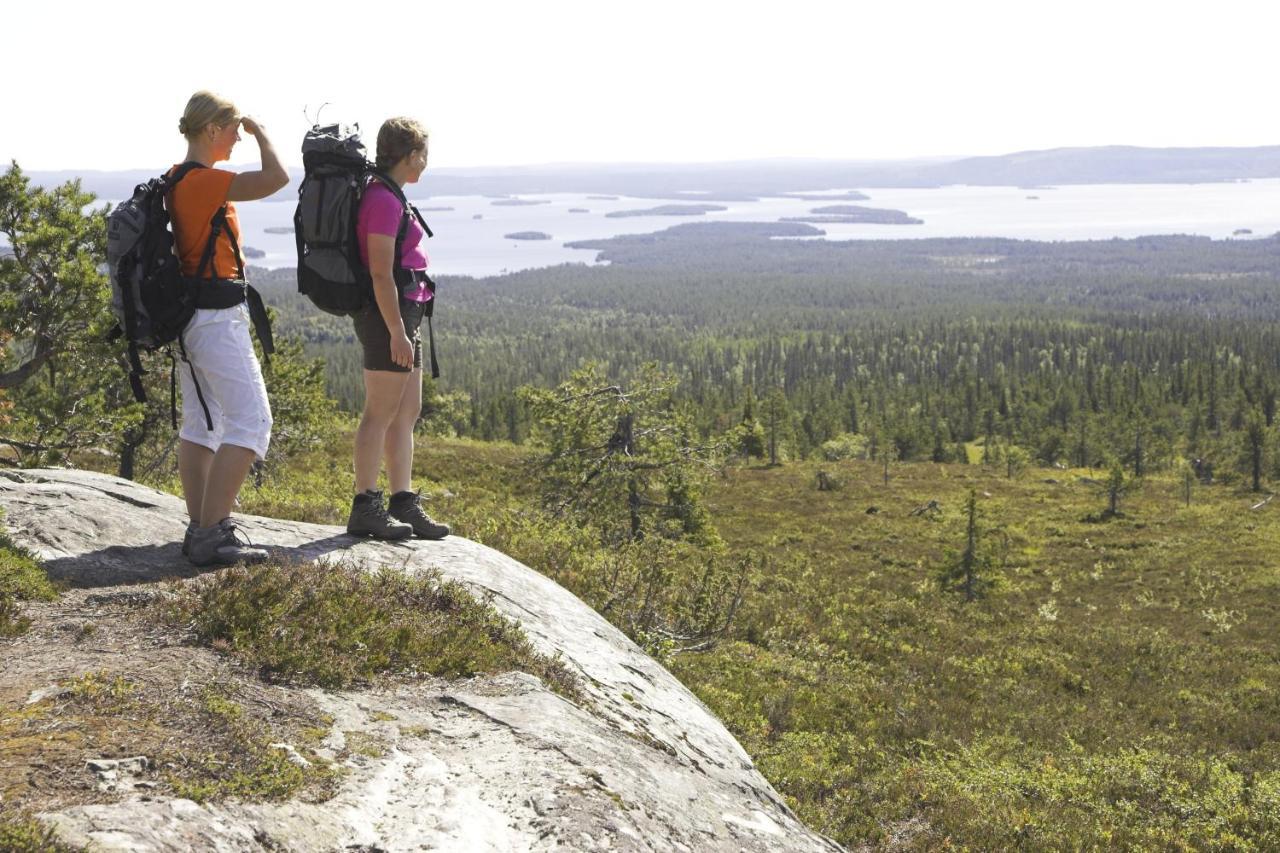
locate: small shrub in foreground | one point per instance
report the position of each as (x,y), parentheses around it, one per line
(337,624)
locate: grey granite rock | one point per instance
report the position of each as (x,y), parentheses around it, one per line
(486,764)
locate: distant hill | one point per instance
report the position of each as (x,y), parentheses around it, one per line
(1116,164)
(1113,164)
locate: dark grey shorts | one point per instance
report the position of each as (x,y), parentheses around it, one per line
(371,331)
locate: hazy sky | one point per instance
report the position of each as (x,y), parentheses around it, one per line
(691,80)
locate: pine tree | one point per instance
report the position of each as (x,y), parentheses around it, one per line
(777,423)
(61,378)
(970,569)
(751,442)
(623,460)
(1255,447)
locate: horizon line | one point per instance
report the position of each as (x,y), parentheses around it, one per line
(776,160)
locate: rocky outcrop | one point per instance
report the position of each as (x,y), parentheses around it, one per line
(486,764)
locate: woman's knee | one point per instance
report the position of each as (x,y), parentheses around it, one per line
(378,411)
(250,427)
(406,418)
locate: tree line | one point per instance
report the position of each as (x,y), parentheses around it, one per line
(1139,352)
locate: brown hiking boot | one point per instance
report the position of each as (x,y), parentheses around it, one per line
(369,518)
(407,507)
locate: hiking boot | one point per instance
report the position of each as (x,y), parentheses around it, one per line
(192,527)
(407,507)
(369,518)
(223,545)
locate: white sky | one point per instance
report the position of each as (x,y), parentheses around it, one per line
(692,80)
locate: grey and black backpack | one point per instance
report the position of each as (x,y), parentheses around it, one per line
(152,300)
(336,174)
(337,171)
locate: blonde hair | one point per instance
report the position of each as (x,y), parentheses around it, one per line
(398,138)
(206,108)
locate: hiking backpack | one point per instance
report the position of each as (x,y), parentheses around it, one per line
(149,296)
(336,174)
(152,300)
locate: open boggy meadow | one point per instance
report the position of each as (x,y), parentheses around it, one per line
(1115,686)
(968,542)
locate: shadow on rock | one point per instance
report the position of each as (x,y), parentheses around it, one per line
(117,565)
(120,565)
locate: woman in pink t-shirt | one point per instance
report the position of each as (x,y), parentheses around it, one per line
(388,330)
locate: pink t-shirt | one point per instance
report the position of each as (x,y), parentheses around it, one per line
(380,213)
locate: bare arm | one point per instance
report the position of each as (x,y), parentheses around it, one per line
(271,178)
(382,250)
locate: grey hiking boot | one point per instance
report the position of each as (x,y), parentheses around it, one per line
(192,527)
(369,518)
(407,507)
(223,545)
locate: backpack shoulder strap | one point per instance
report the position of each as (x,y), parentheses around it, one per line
(181,172)
(386,181)
(409,209)
(422,222)
(217,224)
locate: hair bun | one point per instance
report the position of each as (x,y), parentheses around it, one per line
(182,126)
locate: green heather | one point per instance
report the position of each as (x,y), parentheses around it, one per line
(336,624)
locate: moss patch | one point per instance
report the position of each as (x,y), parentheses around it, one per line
(21,579)
(202,744)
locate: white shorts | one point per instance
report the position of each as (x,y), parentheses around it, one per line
(220,353)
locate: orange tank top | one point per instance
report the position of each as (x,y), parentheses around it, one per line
(191,208)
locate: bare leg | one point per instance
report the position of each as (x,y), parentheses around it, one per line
(398,445)
(230,466)
(193,467)
(382,392)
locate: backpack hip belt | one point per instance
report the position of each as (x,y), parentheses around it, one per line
(409,280)
(219,292)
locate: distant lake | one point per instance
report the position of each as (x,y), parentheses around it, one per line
(470,238)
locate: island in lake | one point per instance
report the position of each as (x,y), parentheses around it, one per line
(251,252)
(670,210)
(1242,232)
(434,209)
(279,229)
(603,197)
(519,202)
(855,215)
(527,235)
(578,210)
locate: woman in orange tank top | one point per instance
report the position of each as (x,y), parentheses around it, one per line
(226,418)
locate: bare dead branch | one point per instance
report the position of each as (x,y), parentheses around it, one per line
(43,351)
